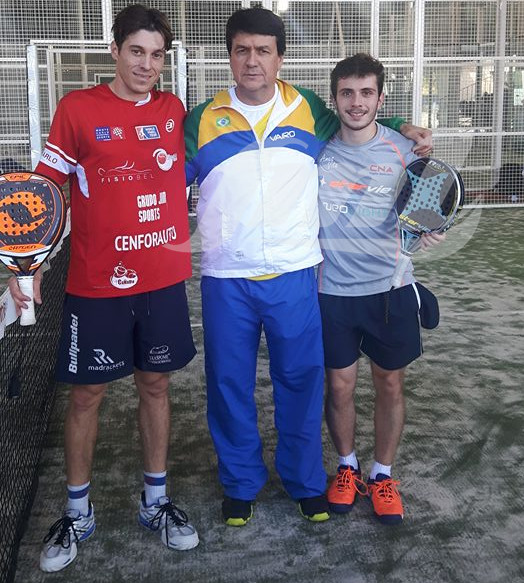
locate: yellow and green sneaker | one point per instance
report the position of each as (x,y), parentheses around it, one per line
(237,512)
(315,508)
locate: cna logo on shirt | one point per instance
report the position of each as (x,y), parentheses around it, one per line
(380,169)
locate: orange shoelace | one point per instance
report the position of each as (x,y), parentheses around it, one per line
(348,479)
(387,491)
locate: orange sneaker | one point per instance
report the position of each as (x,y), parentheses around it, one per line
(385,498)
(344,488)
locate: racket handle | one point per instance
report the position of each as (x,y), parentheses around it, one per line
(27,318)
(400,269)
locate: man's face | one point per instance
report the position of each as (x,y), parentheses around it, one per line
(255,63)
(139,63)
(357,101)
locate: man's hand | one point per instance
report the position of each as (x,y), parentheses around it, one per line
(423,138)
(19,298)
(427,240)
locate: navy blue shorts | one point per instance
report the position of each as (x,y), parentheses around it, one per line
(385,327)
(104,339)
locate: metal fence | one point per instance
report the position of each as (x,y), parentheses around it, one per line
(456,66)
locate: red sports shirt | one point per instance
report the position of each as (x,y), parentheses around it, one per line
(125,162)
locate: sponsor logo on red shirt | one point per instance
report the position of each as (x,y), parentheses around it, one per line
(147,132)
(124,173)
(107,133)
(164,160)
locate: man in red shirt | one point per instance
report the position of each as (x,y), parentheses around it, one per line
(121,147)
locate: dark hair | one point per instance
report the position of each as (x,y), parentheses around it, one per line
(359,65)
(138,17)
(256,21)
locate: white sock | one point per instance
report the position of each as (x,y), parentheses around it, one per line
(379,469)
(78,498)
(348,460)
(154,486)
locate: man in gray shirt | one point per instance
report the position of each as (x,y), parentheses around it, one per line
(358,171)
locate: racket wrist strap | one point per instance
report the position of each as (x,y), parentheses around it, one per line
(402,264)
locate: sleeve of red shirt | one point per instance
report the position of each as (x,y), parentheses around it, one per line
(60,155)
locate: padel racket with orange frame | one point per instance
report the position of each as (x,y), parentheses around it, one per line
(429,195)
(32,218)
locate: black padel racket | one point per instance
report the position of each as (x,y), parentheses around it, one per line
(32,219)
(429,195)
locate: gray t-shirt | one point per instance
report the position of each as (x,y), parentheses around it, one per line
(359,233)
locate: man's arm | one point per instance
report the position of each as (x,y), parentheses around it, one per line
(61,125)
(327,123)
(423,138)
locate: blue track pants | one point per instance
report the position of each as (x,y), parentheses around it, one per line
(234,312)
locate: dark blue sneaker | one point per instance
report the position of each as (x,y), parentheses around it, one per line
(237,512)
(315,508)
